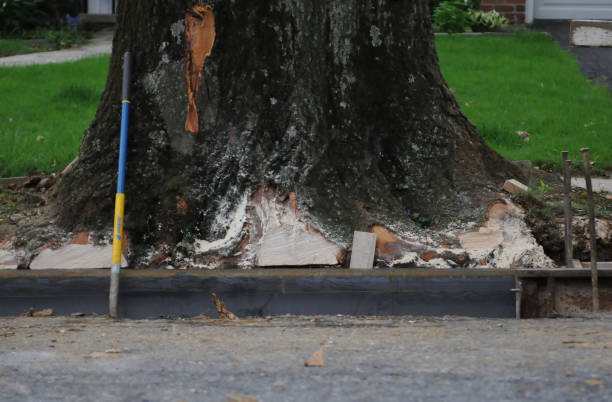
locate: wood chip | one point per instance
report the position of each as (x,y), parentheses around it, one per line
(594,382)
(107,354)
(240,398)
(42,313)
(224,313)
(316,360)
(48,312)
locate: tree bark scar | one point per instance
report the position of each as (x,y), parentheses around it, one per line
(200,35)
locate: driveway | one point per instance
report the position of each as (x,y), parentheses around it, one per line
(595,62)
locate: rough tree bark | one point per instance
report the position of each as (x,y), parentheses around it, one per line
(316,118)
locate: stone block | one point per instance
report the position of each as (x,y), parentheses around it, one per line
(593,33)
(514,186)
(364,246)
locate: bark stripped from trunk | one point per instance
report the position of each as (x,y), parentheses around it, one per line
(320,118)
(200,38)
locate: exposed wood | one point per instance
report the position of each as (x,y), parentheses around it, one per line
(200,38)
(222,309)
(514,186)
(316,360)
(75,256)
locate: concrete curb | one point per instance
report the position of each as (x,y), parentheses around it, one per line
(267,292)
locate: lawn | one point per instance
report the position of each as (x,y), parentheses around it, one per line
(11,47)
(526,82)
(503,83)
(44,111)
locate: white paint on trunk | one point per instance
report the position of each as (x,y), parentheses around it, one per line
(409,258)
(233,234)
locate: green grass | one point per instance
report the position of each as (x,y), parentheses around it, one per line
(44,111)
(522,81)
(11,47)
(526,82)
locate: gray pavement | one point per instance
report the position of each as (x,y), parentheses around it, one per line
(595,62)
(101,43)
(599,184)
(372,358)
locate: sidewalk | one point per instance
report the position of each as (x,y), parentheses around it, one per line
(100,44)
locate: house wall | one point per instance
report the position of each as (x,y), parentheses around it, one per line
(514,10)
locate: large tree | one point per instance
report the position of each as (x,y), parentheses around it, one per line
(314,119)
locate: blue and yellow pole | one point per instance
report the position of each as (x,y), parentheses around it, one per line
(120,196)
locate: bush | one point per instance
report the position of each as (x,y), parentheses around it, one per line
(17,16)
(480,21)
(457,15)
(450,16)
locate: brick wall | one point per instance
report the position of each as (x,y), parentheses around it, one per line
(514,10)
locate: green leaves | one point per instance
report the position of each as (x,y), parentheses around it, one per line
(480,21)
(455,16)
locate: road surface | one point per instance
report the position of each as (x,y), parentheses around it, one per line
(365,358)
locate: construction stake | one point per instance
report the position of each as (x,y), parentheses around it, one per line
(592,234)
(567,209)
(120,196)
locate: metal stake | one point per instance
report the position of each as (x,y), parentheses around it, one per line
(592,234)
(567,209)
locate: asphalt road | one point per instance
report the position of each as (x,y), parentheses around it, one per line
(372,358)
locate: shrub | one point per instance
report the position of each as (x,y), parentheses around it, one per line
(450,16)
(68,33)
(17,15)
(480,21)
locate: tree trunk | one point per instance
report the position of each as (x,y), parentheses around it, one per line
(315,119)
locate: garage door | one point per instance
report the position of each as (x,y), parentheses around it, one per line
(573,9)
(102,6)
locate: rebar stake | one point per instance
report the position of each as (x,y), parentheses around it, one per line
(592,234)
(567,209)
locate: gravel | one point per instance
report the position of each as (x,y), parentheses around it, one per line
(365,358)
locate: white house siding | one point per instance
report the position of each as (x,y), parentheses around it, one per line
(573,9)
